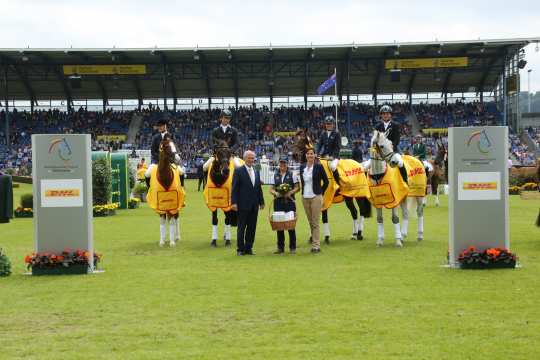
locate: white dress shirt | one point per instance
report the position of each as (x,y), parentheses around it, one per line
(224,128)
(308,183)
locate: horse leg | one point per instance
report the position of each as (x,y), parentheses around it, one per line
(214,228)
(395,222)
(162,229)
(227,234)
(380,227)
(420,214)
(326,226)
(435,189)
(354,214)
(365,212)
(405,213)
(172,230)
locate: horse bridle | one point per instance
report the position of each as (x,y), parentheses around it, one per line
(382,157)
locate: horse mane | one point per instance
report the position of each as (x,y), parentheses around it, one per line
(302,145)
(164,172)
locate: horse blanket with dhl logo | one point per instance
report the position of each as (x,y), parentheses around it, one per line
(352,178)
(416,176)
(166,201)
(219,197)
(390,191)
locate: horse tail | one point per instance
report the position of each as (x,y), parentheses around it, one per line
(538,219)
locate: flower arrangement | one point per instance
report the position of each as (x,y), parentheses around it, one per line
(514,190)
(21,212)
(105,210)
(472,258)
(5,265)
(530,186)
(134,203)
(78,259)
(283,189)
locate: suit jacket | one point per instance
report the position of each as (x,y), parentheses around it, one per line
(329,145)
(154,150)
(230,137)
(393,133)
(320,180)
(244,194)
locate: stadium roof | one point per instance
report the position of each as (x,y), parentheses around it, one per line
(258,71)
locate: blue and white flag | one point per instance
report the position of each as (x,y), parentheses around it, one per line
(331,81)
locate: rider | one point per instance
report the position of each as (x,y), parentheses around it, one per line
(224,132)
(329,142)
(391,128)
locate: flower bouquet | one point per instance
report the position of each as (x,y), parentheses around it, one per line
(491,258)
(283,189)
(68,262)
(134,203)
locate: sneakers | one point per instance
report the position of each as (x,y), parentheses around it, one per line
(315,251)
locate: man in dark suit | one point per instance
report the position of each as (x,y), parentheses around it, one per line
(247,198)
(389,127)
(225,132)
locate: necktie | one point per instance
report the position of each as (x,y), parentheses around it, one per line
(251,175)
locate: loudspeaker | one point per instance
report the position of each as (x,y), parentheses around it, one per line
(395,75)
(75,82)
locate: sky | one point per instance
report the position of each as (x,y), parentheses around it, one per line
(137,23)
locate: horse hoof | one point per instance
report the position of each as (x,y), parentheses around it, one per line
(228,243)
(354,237)
(399,243)
(359,236)
(327,240)
(161,243)
(213,244)
(379,242)
(172,244)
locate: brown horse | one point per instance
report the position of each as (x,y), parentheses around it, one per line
(219,174)
(166,195)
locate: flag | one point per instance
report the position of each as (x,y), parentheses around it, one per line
(331,81)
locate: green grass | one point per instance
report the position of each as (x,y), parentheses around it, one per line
(351,301)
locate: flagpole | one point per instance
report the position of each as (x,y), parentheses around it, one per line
(335,90)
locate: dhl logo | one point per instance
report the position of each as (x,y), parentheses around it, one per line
(353,172)
(416,171)
(480,186)
(218,197)
(63,193)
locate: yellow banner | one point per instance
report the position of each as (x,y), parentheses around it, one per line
(431,131)
(104,69)
(284,133)
(112,137)
(426,63)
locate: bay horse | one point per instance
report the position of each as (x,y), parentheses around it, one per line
(218,188)
(166,193)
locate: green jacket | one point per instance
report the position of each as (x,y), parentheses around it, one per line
(419,151)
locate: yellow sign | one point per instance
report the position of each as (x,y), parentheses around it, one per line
(431,131)
(480,186)
(284,133)
(111,137)
(63,193)
(446,62)
(104,69)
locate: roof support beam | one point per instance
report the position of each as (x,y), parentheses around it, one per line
(206,77)
(414,72)
(309,56)
(489,67)
(235,79)
(271,78)
(378,73)
(59,76)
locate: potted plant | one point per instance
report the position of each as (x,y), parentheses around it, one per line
(25,210)
(5,265)
(134,203)
(68,262)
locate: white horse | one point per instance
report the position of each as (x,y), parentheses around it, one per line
(389,184)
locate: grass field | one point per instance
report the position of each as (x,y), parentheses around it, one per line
(352,301)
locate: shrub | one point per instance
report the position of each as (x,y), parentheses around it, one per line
(529,186)
(140,188)
(27,201)
(5,265)
(101,182)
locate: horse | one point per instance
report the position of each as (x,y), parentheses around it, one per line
(390,186)
(337,193)
(218,188)
(166,193)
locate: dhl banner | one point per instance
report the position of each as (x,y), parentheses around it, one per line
(61,193)
(104,69)
(111,137)
(431,131)
(479,186)
(284,133)
(446,62)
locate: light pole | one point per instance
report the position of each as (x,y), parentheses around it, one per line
(529,87)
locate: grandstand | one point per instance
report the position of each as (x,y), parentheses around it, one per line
(432,85)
